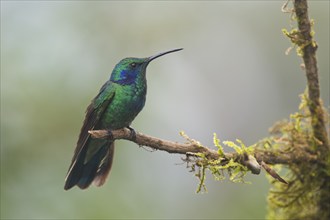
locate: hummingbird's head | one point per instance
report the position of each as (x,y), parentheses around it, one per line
(128,70)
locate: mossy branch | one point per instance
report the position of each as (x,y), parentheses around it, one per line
(192,147)
(237,163)
(307,46)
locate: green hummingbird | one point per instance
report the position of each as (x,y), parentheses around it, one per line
(118,102)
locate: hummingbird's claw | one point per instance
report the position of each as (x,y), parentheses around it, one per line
(110,135)
(133,133)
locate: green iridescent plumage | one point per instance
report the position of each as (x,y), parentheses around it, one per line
(119,101)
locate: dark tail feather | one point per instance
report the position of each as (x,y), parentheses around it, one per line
(90,168)
(105,167)
(75,170)
(82,174)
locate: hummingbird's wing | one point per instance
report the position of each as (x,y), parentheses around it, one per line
(92,157)
(95,112)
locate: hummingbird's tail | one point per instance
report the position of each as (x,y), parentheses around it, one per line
(103,171)
(96,169)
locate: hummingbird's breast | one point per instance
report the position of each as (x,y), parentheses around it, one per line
(128,101)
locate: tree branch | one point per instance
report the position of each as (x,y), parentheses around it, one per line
(194,148)
(159,144)
(307,194)
(309,48)
(315,105)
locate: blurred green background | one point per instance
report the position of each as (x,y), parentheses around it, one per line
(232,78)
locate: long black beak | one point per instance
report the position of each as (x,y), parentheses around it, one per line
(162,54)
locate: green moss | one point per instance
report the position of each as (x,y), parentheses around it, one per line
(216,143)
(309,179)
(298,40)
(220,168)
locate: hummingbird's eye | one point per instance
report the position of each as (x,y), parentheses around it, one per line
(133,64)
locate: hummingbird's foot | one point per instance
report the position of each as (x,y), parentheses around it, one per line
(133,133)
(110,135)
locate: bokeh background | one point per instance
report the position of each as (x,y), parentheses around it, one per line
(232,78)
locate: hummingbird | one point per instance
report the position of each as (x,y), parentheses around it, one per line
(118,102)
